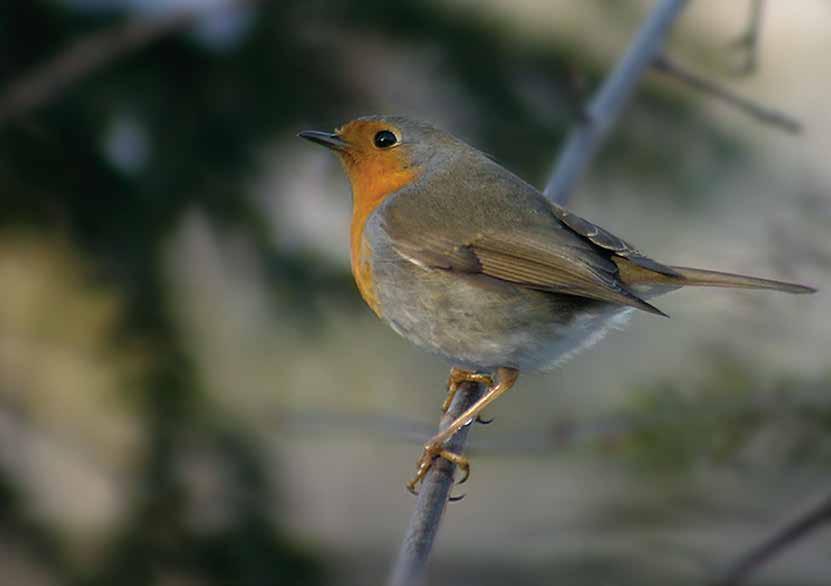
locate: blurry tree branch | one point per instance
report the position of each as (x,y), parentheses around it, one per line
(748,42)
(581,145)
(94,52)
(606,106)
(433,495)
(797,529)
(763,114)
(565,433)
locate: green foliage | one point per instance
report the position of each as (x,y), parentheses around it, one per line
(732,415)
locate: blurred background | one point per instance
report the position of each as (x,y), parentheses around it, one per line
(193,393)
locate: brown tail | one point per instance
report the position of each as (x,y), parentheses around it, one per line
(702,278)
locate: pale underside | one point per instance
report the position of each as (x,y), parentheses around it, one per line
(481,323)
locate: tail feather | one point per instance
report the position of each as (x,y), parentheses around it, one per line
(702,278)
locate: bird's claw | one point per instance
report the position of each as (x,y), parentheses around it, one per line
(459,376)
(425,462)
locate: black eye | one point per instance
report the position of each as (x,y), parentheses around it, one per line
(385,139)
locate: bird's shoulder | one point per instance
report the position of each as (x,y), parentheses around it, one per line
(465,196)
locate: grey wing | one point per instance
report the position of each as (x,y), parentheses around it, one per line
(608,241)
(546,254)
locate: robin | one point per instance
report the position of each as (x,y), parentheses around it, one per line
(462,257)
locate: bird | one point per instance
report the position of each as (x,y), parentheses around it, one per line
(464,258)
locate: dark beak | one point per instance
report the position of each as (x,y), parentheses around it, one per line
(328,139)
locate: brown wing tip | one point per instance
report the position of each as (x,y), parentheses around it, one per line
(638,303)
(653,310)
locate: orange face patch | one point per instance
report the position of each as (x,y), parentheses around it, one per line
(374,174)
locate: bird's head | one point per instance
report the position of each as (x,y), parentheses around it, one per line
(382,154)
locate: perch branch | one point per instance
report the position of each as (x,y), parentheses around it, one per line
(432,497)
(763,114)
(606,106)
(603,111)
(786,537)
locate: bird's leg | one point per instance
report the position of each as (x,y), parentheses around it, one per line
(435,447)
(459,376)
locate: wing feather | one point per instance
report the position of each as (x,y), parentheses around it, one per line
(608,241)
(546,249)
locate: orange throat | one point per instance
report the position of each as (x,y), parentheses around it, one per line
(372,182)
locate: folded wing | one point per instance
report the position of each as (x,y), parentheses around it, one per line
(564,254)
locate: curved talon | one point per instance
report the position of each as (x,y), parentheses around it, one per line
(483,421)
(460,461)
(425,462)
(464,466)
(435,447)
(456,499)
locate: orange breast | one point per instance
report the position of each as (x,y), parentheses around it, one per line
(362,267)
(372,181)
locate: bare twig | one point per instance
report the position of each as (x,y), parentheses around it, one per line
(606,106)
(763,114)
(748,42)
(411,565)
(604,110)
(786,537)
(84,57)
(93,53)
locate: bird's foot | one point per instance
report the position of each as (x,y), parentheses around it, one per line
(459,376)
(435,448)
(432,451)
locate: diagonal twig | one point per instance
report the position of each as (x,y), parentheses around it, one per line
(93,53)
(763,114)
(786,537)
(606,106)
(748,42)
(580,147)
(433,495)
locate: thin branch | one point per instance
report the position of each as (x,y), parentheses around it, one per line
(748,42)
(763,114)
(786,537)
(81,59)
(93,53)
(434,492)
(606,106)
(603,111)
